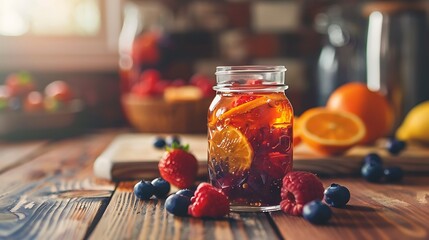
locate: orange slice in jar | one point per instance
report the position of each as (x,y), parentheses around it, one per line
(330,132)
(245,107)
(232,147)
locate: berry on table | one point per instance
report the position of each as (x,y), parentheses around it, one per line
(299,188)
(178,167)
(144,190)
(395,146)
(373,158)
(393,174)
(316,212)
(337,195)
(177,204)
(174,139)
(186,192)
(208,201)
(372,172)
(161,187)
(159,142)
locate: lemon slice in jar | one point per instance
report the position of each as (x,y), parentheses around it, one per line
(232,147)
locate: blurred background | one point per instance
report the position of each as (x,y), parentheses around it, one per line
(98,47)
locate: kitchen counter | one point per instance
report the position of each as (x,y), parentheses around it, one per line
(48,191)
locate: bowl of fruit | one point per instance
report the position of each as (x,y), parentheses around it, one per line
(25,110)
(152,104)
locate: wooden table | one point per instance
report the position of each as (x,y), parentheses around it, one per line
(48,191)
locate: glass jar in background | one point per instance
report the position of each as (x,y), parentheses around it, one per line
(250,125)
(159,93)
(144,41)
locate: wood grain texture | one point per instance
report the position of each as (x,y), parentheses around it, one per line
(132,156)
(375,211)
(13,153)
(126,217)
(54,196)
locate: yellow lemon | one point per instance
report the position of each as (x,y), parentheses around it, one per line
(415,126)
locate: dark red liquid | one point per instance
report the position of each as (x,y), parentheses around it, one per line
(266,123)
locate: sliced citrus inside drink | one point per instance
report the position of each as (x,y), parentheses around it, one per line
(245,107)
(330,131)
(232,147)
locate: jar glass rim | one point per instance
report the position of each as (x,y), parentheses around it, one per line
(220,70)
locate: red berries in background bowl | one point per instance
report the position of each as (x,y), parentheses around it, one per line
(59,91)
(179,105)
(21,94)
(19,84)
(34,102)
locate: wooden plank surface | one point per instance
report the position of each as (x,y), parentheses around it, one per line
(132,156)
(14,153)
(126,217)
(55,195)
(375,211)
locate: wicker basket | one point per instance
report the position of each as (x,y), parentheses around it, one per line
(155,115)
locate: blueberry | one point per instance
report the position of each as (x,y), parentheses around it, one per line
(185,192)
(393,174)
(316,212)
(395,146)
(15,104)
(373,158)
(372,172)
(162,187)
(173,140)
(144,190)
(337,195)
(177,204)
(159,143)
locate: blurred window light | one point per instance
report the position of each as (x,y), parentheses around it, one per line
(59,35)
(50,17)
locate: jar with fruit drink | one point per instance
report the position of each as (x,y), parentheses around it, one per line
(144,41)
(250,124)
(158,93)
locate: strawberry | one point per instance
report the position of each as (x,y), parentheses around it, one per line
(208,201)
(178,166)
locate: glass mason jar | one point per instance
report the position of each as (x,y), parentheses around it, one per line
(152,64)
(144,41)
(250,125)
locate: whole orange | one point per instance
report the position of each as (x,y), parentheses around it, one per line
(372,108)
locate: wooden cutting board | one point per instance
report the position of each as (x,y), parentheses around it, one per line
(132,156)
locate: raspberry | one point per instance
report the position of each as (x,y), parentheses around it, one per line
(299,188)
(243,99)
(208,201)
